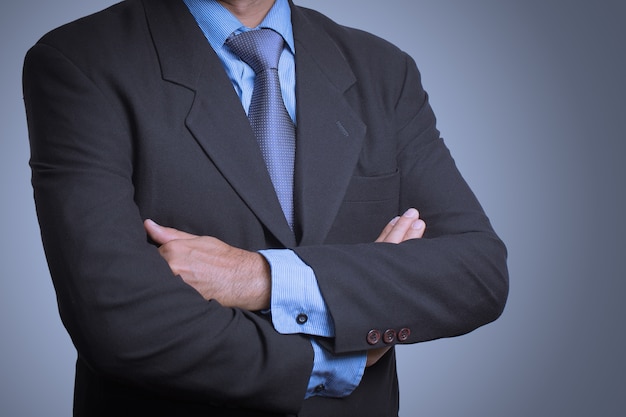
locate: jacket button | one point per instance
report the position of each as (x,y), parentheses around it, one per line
(302,318)
(404,334)
(373,337)
(389,336)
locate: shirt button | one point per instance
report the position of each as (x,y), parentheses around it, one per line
(389,336)
(404,334)
(373,336)
(302,318)
(319,388)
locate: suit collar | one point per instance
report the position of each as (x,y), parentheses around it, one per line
(328,57)
(179,44)
(329,133)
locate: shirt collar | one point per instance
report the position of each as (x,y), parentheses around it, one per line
(218,23)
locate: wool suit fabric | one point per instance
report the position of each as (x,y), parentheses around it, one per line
(131,116)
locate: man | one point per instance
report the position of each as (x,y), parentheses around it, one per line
(186,285)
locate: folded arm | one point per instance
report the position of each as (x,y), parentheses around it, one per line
(239,278)
(236,277)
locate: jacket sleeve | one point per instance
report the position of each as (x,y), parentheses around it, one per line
(126,313)
(448,283)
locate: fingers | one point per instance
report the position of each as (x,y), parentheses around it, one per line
(162,235)
(416,230)
(407,226)
(387,229)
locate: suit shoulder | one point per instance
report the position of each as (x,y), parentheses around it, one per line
(97,28)
(352,40)
(95,43)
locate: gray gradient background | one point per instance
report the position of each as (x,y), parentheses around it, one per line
(531,100)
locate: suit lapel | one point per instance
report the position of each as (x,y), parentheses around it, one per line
(216,118)
(329,134)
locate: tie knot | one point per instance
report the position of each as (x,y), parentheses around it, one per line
(260,48)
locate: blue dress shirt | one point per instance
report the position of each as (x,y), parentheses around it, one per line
(297,305)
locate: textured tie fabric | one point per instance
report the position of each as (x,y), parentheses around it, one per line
(270,121)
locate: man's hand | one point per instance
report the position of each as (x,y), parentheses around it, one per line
(405,227)
(233,277)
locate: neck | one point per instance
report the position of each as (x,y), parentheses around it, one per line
(249,12)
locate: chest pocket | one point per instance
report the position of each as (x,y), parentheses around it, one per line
(369,203)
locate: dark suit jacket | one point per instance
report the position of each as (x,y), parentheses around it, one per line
(131,116)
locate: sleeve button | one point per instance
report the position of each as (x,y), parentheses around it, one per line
(389,336)
(302,318)
(373,337)
(319,388)
(404,334)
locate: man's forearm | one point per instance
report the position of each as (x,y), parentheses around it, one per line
(232,276)
(240,278)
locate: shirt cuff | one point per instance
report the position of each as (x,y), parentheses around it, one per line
(335,376)
(297,305)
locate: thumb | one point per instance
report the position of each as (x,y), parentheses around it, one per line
(162,235)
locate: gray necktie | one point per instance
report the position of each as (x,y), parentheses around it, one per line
(270,121)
